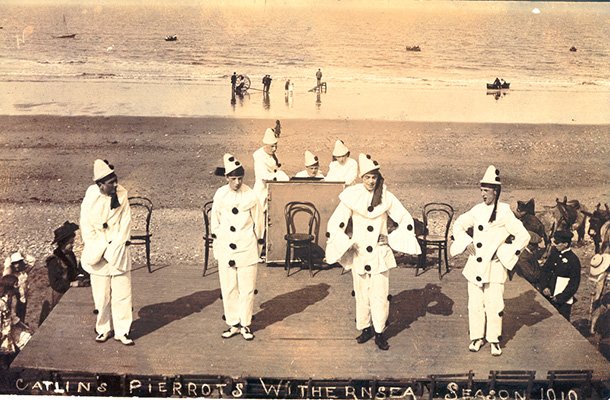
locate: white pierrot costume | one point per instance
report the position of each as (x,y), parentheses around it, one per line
(237,224)
(338,172)
(266,168)
(497,246)
(310,159)
(369,260)
(106,255)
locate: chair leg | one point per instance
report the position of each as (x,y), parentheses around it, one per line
(446,259)
(310,260)
(440,262)
(148,255)
(206,258)
(287,260)
(421,262)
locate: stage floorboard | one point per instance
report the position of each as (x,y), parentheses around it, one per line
(305,329)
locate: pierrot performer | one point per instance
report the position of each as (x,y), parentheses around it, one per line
(498,238)
(368,252)
(237,226)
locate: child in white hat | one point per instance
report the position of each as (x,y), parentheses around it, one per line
(312,167)
(342,168)
(368,252)
(237,226)
(16,265)
(598,275)
(498,240)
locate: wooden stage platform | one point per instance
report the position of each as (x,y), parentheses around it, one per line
(305,329)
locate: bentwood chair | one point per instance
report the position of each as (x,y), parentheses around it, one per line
(437,220)
(208,239)
(141,214)
(299,241)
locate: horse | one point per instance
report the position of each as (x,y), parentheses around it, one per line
(597,219)
(565,215)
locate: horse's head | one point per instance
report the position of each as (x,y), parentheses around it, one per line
(566,214)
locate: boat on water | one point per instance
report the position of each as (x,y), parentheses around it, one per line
(171,38)
(497,85)
(413,48)
(66,34)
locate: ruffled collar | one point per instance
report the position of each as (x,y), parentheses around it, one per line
(358,199)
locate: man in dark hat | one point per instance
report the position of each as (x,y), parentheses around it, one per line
(493,249)
(561,274)
(63,268)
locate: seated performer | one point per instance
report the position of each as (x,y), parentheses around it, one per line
(312,167)
(342,168)
(267,167)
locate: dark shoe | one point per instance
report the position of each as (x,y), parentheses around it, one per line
(381,342)
(366,335)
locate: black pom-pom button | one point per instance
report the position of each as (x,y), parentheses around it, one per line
(367,268)
(233,246)
(375,163)
(479,245)
(479,259)
(368,156)
(223,317)
(353,293)
(234,210)
(389,297)
(231,159)
(370,208)
(479,279)
(95,312)
(261,241)
(501,314)
(480,227)
(237,163)
(370,228)
(369,249)
(231,263)
(409,227)
(220,296)
(213,236)
(518,252)
(255,291)
(105,226)
(233,229)
(327,234)
(497,172)
(342,225)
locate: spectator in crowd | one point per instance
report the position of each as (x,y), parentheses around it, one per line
(560,276)
(16,265)
(105,222)
(14,333)
(527,266)
(494,248)
(63,268)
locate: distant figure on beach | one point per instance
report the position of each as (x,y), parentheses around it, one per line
(237,224)
(105,222)
(278,128)
(240,86)
(312,167)
(63,268)
(342,168)
(368,252)
(266,83)
(291,88)
(287,86)
(17,266)
(14,333)
(319,77)
(561,274)
(233,81)
(267,167)
(490,256)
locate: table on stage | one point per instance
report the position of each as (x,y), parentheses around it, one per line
(324,195)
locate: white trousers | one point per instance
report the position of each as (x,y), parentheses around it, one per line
(112,299)
(485,310)
(237,288)
(372,305)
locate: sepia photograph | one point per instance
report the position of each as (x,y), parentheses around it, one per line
(305,199)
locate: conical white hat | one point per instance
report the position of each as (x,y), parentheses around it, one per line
(310,158)
(269,137)
(366,164)
(492,176)
(101,169)
(230,163)
(340,149)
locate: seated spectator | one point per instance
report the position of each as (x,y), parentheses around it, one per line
(15,265)
(14,334)
(63,268)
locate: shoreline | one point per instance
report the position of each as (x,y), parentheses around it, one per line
(379,102)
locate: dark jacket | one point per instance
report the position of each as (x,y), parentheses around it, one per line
(566,265)
(62,269)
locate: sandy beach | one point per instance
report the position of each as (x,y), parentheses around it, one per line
(45,168)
